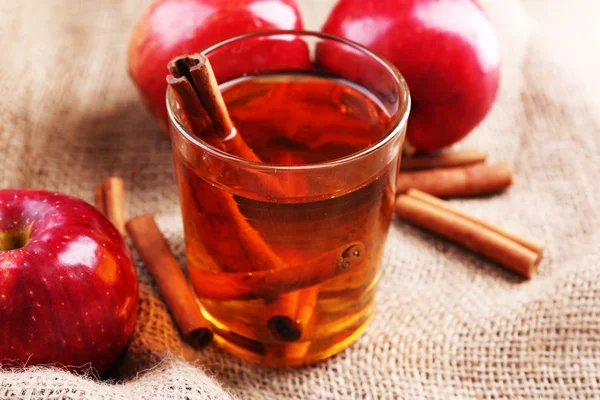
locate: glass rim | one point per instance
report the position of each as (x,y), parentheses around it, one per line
(400,117)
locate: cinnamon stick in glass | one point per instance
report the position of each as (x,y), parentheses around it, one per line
(267,284)
(305,317)
(197,71)
(476,180)
(194,75)
(171,282)
(196,116)
(519,255)
(282,316)
(288,320)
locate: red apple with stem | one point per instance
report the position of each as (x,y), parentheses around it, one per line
(68,286)
(447,51)
(170,28)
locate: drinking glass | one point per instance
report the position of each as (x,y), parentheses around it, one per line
(294,243)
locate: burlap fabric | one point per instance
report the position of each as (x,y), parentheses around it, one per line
(448,325)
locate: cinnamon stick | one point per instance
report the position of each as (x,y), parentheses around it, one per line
(531,244)
(210,95)
(171,282)
(270,284)
(288,319)
(283,315)
(196,115)
(446,159)
(479,236)
(109,198)
(222,211)
(476,180)
(114,196)
(281,319)
(196,70)
(290,353)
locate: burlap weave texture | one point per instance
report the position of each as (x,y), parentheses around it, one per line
(449,325)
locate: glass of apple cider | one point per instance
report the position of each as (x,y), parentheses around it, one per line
(284,253)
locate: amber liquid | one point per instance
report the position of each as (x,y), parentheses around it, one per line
(296,120)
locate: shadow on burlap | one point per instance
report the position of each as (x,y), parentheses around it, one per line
(448,324)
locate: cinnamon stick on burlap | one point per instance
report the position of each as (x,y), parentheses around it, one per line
(109,198)
(146,237)
(514,252)
(168,276)
(475,180)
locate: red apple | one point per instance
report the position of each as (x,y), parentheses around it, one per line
(68,286)
(447,51)
(170,28)
(260,55)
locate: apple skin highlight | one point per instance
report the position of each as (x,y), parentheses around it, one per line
(68,285)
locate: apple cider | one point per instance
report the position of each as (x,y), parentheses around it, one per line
(284,239)
(296,120)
